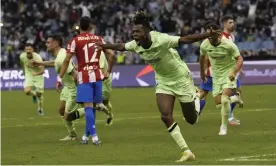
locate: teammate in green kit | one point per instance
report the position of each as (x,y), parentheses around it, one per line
(34,80)
(173,78)
(226,62)
(68,109)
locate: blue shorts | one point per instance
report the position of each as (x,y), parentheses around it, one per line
(238,82)
(89,92)
(207,86)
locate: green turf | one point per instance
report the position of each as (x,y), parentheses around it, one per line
(138,135)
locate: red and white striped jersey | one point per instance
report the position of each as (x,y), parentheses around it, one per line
(68,47)
(88,56)
(228,36)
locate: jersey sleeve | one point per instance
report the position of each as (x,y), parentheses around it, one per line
(234,50)
(73,46)
(38,58)
(21,57)
(169,41)
(203,49)
(130,46)
(68,47)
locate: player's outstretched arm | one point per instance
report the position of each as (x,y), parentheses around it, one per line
(115,46)
(65,64)
(197,37)
(202,61)
(193,38)
(45,63)
(48,63)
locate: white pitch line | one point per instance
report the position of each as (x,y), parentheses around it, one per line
(261,109)
(251,158)
(259,132)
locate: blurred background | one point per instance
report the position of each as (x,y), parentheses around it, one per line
(32,20)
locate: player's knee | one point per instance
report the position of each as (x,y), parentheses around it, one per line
(166,118)
(27,91)
(61,111)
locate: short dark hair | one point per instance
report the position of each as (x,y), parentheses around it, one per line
(214,26)
(207,22)
(57,38)
(141,18)
(226,18)
(85,23)
(29,45)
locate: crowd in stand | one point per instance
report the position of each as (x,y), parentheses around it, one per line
(32,21)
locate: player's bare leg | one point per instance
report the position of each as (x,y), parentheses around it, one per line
(72,135)
(165,104)
(109,120)
(30,92)
(40,103)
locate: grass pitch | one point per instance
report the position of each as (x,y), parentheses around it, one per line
(138,135)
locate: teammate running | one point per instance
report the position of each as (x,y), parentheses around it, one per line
(226,62)
(34,80)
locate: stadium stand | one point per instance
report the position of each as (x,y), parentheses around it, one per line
(31,21)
